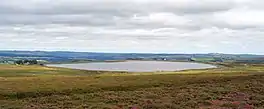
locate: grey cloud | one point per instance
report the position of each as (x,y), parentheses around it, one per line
(114,7)
(103,13)
(135,26)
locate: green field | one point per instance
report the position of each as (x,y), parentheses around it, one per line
(37,87)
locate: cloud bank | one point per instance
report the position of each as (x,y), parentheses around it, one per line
(169,26)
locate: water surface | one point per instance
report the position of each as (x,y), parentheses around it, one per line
(136,66)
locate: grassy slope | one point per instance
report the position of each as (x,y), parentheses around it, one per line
(42,87)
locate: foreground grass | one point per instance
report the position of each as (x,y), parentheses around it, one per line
(34,87)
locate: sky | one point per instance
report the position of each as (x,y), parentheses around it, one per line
(140,26)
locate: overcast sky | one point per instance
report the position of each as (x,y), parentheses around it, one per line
(167,26)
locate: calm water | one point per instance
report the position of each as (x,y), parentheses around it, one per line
(136,66)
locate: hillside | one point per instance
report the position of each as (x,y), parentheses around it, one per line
(34,87)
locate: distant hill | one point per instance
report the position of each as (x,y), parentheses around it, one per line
(63,56)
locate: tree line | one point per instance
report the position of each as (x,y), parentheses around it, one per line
(26,62)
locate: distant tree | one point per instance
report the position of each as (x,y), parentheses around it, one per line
(26,62)
(19,62)
(33,62)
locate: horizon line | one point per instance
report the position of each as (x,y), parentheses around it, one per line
(130,52)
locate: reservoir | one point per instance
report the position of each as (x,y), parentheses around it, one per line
(136,66)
